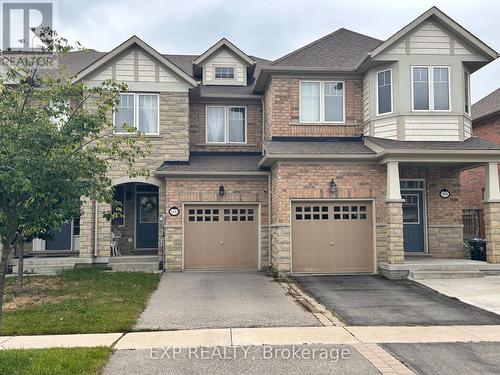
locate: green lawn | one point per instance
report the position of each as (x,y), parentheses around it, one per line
(78,301)
(77,361)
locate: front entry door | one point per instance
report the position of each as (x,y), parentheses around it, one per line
(413,220)
(147,220)
(62,239)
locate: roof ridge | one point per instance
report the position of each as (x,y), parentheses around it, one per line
(313,43)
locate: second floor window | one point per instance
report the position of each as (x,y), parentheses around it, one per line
(321,101)
(226,124)
(384,92)
(224,72)
(139,111)
(431,88)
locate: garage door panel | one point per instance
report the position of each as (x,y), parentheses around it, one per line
(221,237)
(332,237)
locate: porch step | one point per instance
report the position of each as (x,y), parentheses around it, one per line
(134,259)
(444,274)
(44,269)
(134,267)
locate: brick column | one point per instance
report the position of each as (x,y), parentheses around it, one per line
(492,213)
(103,231)
(394,205)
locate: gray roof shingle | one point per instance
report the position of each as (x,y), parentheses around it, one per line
(469,144)
(487,105)
(228,162)
(316,147)
(341,49)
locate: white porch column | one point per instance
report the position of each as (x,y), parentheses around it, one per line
(492,213)
(393,190)
(491,187)
(394,212)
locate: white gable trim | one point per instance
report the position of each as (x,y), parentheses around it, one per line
(446,20)
(224,43)
(134,40)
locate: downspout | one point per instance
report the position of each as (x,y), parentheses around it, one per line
(269,217)
(95,229)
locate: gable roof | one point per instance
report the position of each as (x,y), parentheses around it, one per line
(134,40)
(487,106)
(224,43)
(437,14)
(341,49)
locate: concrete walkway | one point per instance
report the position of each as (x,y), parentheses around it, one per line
(480,292)
(260,336)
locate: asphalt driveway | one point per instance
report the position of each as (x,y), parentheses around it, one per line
(449,358)
(242,360)
(372,300)
(191,300)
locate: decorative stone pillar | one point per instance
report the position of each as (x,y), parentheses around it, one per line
(103,231)
(87,229)
(394,209)
(281,249)
(492,213)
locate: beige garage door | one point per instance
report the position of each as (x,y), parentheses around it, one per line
(221,237)
(332,237)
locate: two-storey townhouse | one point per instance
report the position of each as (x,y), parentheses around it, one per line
(340,157)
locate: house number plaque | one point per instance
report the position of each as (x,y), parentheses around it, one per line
(445,193)
(174,211)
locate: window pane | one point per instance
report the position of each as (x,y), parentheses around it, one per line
(124,112)
(224,72)
(334,101)
(148,113)
(236,118)
(466,93)
(215,124)
(309,101)
(384,92)
(441,89)
(420,88)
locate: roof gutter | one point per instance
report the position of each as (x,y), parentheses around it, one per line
(210,173)
(268,159)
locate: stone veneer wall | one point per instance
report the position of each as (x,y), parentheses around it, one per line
(492,229)
(172,143)
(206,189)
(444,216)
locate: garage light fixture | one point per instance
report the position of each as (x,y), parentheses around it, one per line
(221,190)
(333,186)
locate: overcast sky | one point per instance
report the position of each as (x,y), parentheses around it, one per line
(265,28)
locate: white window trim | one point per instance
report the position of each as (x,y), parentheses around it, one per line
(225,66)
(136,112)
(467,78)
(430,70)
(322,102)
(226,124)
(392,91)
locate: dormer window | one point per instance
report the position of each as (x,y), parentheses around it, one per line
(224,72)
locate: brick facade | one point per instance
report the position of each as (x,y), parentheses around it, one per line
(206,189)
(472,180)
(197,128)
(282,111)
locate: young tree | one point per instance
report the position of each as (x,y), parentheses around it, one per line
(56,146)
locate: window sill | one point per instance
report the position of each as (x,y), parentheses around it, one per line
(322,124)
(135,135)
(226,144)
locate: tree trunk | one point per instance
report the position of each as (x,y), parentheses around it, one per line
(20,266)
(5,249)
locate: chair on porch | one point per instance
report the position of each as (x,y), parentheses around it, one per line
(115,240)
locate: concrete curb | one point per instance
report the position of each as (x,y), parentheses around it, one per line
(259,336)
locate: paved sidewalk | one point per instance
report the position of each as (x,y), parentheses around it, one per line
(261,336)
(480,292)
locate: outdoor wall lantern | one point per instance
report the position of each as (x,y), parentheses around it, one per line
(333,186)
(221,190)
